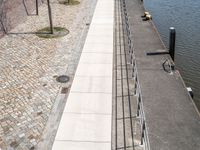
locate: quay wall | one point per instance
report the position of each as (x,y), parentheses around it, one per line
(169,117)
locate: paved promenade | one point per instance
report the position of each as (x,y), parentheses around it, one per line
(86,120)
(117,97)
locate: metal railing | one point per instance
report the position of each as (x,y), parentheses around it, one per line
(140,111)
(137,91)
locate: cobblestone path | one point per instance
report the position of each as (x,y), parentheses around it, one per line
(29,66)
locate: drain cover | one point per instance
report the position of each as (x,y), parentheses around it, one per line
(64,90)
(62,79)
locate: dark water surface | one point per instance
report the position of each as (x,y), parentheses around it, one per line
(184,15)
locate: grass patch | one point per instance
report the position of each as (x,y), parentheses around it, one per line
(69,2)
(46,32)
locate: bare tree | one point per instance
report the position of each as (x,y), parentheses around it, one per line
(1,12)
(3,16)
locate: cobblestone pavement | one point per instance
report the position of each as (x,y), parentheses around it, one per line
(28,69)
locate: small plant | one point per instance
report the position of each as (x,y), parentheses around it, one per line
(69,2)
(46,32)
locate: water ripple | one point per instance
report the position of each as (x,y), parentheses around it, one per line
(184,16)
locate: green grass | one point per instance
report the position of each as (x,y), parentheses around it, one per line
(46,32)
(69,2)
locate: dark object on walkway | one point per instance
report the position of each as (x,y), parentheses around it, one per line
(32,148)
(14,144)
(172,39)
(62,79)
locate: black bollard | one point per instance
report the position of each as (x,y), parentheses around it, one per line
(172,40)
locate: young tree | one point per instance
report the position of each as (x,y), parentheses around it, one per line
(3,16)
(37,7)
(50,17)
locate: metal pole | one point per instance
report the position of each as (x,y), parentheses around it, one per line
(143,130)
(50,17)
(37,11)
(172,40)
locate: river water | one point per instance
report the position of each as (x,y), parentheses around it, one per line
(184,15)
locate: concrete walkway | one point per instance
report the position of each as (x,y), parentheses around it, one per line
(86,120)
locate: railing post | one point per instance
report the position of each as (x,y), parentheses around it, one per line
(172,39)
(143,130)
(138,105)
(135,89)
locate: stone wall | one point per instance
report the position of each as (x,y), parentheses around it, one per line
(12,12)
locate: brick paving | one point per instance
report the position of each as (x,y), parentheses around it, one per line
(28,69)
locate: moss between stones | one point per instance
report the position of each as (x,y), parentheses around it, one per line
(69,2)
(46,33)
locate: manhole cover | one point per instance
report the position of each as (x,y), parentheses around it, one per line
(62,79)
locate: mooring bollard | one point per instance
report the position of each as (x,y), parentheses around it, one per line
(172,39)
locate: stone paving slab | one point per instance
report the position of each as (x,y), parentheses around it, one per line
(92,85)
(97,48)
(95,70)
(89,103)
(61,145)
(96,58)
(87,116)
(84,127)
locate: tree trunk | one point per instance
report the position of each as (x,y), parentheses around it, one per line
(50,17)
(3,16)
(37,11)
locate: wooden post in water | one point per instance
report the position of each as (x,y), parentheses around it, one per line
(172,40)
